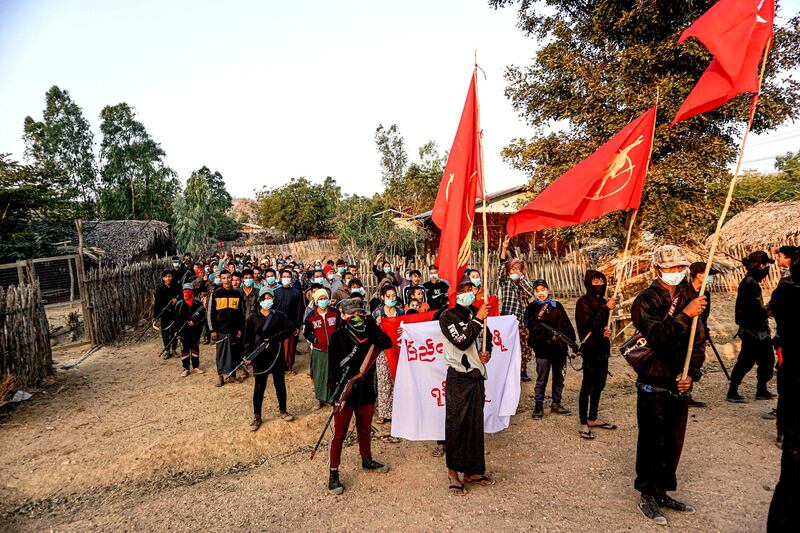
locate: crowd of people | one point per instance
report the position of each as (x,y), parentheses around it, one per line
(254,309)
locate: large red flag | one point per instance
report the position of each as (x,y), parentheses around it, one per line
(735,32)
(462,185)
(610,179)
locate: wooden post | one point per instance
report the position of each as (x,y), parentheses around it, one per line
(86,308)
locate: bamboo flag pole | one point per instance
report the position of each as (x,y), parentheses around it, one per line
(731,187)
(621,269)
(485,225)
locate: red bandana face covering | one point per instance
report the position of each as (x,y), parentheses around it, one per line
(188,296)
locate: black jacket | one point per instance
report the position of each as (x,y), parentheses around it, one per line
(226,311)
(346,350)
(184,313)
(668,337)
(751,315)
(278,329)
(785,308)
(591,315)
(289,301)
(542,341)
(163,297)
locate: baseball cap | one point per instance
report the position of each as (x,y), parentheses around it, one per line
(669,256)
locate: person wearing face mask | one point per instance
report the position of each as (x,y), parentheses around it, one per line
(751,317)
(289,301)
(343,292)
(390,308)
(317,329)
(515,292)
(466,373)
(357,289)
(178,271)
(591,318)
(249,293)
(384,271)
(267,324)
(331,281)
(271,279)
(189,318)
(550,350)
(226,318)
(435,289)
(474,277)
(663,314)
(347,359)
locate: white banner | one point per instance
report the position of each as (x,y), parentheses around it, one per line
(419,391)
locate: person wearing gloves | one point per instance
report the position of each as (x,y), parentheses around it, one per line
(318,328)
(271,327)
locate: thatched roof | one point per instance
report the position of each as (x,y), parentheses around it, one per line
(761,226)
(119,242)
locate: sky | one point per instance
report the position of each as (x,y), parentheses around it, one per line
(263,91)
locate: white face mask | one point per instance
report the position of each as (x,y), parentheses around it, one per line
(673,278)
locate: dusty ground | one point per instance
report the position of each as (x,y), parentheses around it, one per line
(121,442)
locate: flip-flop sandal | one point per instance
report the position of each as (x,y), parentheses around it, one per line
(588,435)
(604,425)
(438,451)
(457,489)
(482,480)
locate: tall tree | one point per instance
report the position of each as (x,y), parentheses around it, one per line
(200,213)
(601,65)
(34,216)
(60,148)
(392,148)
(299,208)
(136,182)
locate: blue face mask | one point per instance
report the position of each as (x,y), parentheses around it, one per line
(709,280)
(515,277)
(266,304)
(316,281)
(248,282)
(357,290)
(323,304)
(270,280)
(286,281)
(476,281)
(465,299)
(387,270)
(217,281)
(391,302)
(341,270)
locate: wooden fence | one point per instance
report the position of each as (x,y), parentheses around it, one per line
(121,296)
(729,281)
(24,337)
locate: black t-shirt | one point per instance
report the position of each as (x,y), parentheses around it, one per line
(436,293)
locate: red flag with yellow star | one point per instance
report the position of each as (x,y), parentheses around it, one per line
(462,185)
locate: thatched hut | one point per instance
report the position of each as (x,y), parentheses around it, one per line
(118,242)
(760,227)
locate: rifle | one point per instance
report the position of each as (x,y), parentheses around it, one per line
(571,344)
(342,390)
(719,358)
(255,353)
(141,335)
(195,314)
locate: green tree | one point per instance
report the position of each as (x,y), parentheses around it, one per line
(136,182)
(33,215)
(784,184)
(601,65)
(299,208)
(200,213)
(60,148)
(392,148)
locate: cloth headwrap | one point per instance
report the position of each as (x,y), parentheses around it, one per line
(319,293)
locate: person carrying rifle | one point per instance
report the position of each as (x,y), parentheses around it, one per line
(348,348)
(550,350)
(189,318)
(591,318)
(267,327)
(166,297)
(466,393)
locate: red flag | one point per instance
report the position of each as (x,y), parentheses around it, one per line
(735,32)
(462,185)
(610,179)
(391,325)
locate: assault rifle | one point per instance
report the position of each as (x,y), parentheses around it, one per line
(571,344)
(255,353)
(200,311)
(171,303)
(342,390)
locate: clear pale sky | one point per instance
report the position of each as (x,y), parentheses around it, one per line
(263,91)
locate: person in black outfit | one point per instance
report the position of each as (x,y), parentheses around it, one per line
(289,301)
(591,317)
(663,314)
(226,319)
(751,317)
(696,272)
(348,347)
(550,350)
(785,308)
(272,326)
(189,319)
(435,290)
(164,304)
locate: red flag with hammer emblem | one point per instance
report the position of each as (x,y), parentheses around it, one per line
(609,180)
(462,184)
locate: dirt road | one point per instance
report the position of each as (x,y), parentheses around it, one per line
(121,442)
